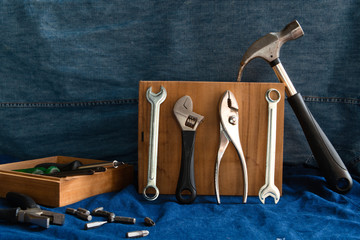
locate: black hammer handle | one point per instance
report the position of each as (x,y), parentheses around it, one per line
(186,181)
(329,161)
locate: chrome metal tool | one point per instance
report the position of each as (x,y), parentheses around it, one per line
(229,132)
(269,188)
(137,234)
(155,101)
(188,121)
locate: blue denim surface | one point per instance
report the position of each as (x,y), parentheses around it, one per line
(307,210)
(69,70)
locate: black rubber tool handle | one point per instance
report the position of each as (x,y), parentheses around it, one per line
(62,166)
(186,181)
(9,215)
(329,161)
(21,200)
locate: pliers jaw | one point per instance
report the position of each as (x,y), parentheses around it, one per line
(40,217)
(33,216)
(29,212)
(229,132)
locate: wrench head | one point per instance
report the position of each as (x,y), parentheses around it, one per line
(184,104)
(269,190)
(156,98)
(148,196)
(272,95)
(187,119)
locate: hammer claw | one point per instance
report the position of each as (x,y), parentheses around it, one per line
(268,47)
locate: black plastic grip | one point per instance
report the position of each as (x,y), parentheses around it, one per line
(21,200)
(186,181)
(329,161)
(9,215)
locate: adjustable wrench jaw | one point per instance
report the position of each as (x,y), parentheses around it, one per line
(229,132)
(188,120)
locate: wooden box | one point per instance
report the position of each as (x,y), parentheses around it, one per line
(253,117)
(58,192)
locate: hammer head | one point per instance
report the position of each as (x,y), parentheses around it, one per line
(268,47)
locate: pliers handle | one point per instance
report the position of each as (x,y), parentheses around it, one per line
(29,212)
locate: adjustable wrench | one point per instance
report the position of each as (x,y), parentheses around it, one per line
(269,189)
(155,101)
(188,121)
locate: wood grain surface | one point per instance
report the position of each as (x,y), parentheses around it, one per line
(253,117)
(57,192)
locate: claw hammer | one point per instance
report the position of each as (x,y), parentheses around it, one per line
(329,161)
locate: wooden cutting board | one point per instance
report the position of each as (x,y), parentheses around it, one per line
(253,117)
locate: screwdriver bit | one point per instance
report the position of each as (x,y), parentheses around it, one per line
(136,234)
(125,220)
(78,214)
(99,212)
(83,210)
(149,222)
(91,225)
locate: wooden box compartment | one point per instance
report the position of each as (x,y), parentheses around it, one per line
(57,192)
(253,120)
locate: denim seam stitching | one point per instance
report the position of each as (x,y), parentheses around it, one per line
(67,104)
(332,100)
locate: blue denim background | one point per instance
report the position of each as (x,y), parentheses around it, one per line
(69,70)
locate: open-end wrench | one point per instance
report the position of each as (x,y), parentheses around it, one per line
(329,161)
(269,189)
(155,101)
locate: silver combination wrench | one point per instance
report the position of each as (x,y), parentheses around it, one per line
(269,189)
(155,101)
